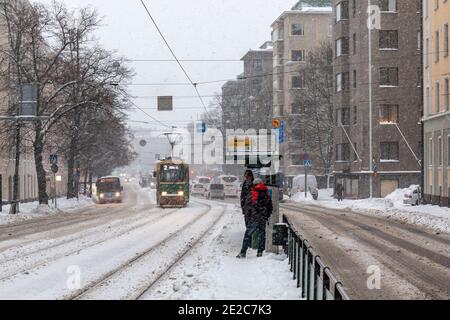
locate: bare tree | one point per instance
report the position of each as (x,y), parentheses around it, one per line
(316,120)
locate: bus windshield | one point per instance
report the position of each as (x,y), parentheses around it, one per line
(108,185)
(172,173)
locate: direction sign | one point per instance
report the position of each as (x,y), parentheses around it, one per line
(165,103)
(307,163)
(282,132)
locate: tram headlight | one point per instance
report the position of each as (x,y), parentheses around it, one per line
(181,193)
(117,194)
(102,195)
(164,193)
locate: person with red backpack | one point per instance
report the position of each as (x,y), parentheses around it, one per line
(258,216)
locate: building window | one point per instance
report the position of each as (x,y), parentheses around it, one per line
(342,47)
(343,152)
(437,46)
(343,117)
(448,151)
(354,43)
(298,55)
(297,159)
(388,113)
(298,82)
(440,152)
(388,5)
(342,81)
(354,79)
(342,11)
(389,77)
(297,29)
(447,94)
(297,109)
(389,151)
(437,97)
(355,115)
(427,53)
(388,39)
(446,49)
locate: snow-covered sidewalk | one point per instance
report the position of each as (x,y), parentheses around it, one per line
(391,207)
(212,271)
(33,210)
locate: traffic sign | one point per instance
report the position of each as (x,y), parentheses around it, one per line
(276,123)
(282,132)
(201,127)
(165,103)
(142,143)
(55,168)
(307,163)
(53,159)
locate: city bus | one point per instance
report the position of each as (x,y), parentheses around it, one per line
(172,183)
(109,189)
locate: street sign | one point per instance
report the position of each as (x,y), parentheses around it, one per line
(29,100)
(165,103)
(201,127)
(55,168)
(307,163)
(142,143)
(282,132)
(53,159)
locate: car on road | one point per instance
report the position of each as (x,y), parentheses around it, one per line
(215,191)
(197,188)
(231,185)
(109,189)
(413,196)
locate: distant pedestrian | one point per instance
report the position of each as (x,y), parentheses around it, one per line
(261,210)
(340,192)
(246,202)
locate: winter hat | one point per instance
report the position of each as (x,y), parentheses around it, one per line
(257,181)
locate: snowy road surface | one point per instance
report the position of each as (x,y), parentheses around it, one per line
(414,262)
(137,251)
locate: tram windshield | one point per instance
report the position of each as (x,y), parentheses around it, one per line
(172,173)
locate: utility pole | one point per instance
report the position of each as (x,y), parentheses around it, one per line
(370,104)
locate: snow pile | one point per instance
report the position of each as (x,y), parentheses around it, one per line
(33,210)
(391,207)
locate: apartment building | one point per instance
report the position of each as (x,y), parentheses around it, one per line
(27,173)
(390,100)
(295,33)
(247,102)
(436,64)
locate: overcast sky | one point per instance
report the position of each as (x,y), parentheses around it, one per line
(196,29)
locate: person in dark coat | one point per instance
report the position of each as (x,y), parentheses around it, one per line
(340,192)
(246,202)
(261,210)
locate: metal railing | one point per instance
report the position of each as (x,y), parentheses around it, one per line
(315,279)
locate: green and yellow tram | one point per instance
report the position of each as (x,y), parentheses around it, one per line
(172,183)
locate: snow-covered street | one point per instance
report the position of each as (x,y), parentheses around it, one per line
(138,251)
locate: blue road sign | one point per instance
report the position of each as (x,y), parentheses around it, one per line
(282,132)
(54,159)
(201,127)
(307,163)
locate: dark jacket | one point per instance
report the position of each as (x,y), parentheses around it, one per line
(261,204)
(246,200)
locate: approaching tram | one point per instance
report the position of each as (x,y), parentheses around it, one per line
(172,183)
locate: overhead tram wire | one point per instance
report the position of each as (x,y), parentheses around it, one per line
(176,58)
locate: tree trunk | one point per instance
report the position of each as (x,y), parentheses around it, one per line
(15,204)
(40,171)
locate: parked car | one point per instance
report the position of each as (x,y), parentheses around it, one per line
(198,188)
(215,191)
(413,196)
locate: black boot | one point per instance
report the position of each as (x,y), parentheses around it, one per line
(259,254)
(241,255)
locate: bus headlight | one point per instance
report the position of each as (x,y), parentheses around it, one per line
(181,193)
(164,193)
